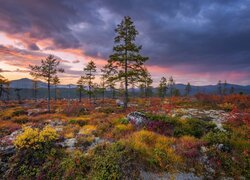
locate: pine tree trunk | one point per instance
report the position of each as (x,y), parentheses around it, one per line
(126,77)
(103,94)
(90,89)
(55,93)
(49,95)
(80,96)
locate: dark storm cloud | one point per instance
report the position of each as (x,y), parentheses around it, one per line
(209,35)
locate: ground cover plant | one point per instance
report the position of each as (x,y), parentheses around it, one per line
(104,144)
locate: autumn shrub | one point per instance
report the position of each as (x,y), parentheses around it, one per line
(75,109)
(123,120)
(160,127)
(70,130)
(34,138)
(189,146)
(209,99)
(87,130)
(19,112)
(227,106)
(104,126)
(218,137)
(20,119)
(155,150)
(84,141)
(238,118)
(113,161)
(74,166)
(240,101)
(34,148)
(107,110)
(121,130)
(80,122)
(229,151)
(12,112)
(193,127)
(228,164)
(7,127)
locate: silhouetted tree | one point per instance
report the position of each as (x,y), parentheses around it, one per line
(81,83)
(232,90)
(108,73)
(176,92)
(89,76)
(55,82)
(224,92)
(171,85)
(162,89)
(35,88)
(3,85)
(47,70)
(219,85)
(146,81)
(126,58)
(188,89)
(17,91)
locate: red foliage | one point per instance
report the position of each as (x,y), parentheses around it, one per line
(160,127)
(238,118)
(188,146)
(241,101)
(209,98)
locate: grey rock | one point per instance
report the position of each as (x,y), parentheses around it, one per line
(163,176)
(137,118)
(119,102)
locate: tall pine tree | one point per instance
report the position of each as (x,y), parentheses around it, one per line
(47,70)
(126,58)
(162,89)
(89,76)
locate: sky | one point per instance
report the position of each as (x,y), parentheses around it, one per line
(194,41)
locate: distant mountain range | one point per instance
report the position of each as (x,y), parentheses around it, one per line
(26,83)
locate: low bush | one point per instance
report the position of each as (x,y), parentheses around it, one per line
(12,112)
(155,150)
(35,139)
(74,166)
(227,106)
(87,130)
(34,148)
(20,119)
(194,127)
(80,122)
(121,130)
(113,161)
(75,110)
(123,120)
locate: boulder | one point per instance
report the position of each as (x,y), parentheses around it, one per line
(185,117)
(119,102)
(35,112)
(137,118)
(69,143)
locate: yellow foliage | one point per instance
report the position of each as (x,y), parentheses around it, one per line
(123,127)
(227,106)
(69,135)
(155,148)
(48,134)
(87,130)
(33,138)
(70,131)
